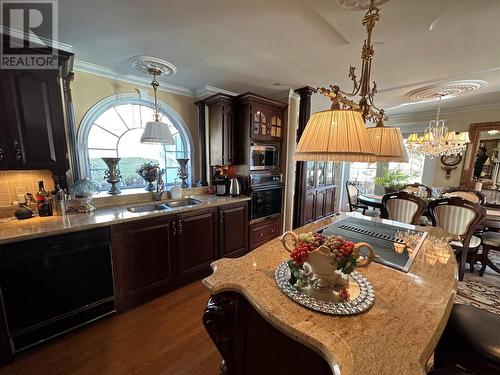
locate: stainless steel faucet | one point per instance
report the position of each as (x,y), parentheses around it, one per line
(160,186)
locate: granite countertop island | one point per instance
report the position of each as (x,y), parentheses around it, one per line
(19,230)
(396,336)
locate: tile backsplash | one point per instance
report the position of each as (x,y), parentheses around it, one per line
(12,181)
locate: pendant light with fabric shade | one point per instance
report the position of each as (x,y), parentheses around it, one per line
(339,134)
(156,132)
(335,135)
(388,143)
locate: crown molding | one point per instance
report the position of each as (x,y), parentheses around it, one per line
(98,70)
(21,35)
(207,90)
(426,115)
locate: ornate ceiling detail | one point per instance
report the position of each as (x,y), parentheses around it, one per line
(446,89)
(358,4)
(145,63)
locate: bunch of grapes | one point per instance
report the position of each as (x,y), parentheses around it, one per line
(313,238)
(344,294)
(301,251)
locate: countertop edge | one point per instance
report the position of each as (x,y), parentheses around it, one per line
(112,221)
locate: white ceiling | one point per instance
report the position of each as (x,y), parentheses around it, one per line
(242,45)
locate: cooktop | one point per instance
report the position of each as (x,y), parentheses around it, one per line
(381,236)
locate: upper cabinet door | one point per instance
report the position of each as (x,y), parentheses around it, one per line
(35,120)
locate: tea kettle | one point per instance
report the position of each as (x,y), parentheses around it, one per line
(234,187)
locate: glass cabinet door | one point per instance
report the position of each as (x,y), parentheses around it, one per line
(311,166)
(330,173)
(320,174)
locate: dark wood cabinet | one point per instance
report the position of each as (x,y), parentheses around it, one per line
(233,230)
(320,189)
(264,231)
(154,256)
(145,260)
(221,127)
(197,243)
(33,119)
(262,118)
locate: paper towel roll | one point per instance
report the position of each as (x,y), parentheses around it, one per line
(479,186)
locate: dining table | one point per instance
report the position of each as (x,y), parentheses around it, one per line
(490,222)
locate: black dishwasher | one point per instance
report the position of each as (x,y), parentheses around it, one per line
(54,284)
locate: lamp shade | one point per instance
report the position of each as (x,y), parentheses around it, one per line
(463,137)
(335,135)
(157,132)
(388,144)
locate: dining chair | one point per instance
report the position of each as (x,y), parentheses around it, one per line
(418,189)
(352,197)
(469,195)
(491,241)
(402,206)
(459,217)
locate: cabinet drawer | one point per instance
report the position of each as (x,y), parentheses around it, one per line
(264,231)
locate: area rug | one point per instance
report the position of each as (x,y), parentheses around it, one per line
(482,292)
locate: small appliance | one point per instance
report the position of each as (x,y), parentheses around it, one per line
(234,187)
(221,184)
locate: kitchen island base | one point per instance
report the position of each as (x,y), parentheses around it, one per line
(248,344)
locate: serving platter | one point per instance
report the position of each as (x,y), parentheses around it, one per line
(360,290)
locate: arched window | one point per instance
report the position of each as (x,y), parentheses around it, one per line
(113,128)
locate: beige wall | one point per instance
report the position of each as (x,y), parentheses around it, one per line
(458,121)
(88,89)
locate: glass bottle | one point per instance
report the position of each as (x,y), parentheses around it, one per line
(43,201)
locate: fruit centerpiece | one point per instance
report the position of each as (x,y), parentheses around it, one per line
(324,262)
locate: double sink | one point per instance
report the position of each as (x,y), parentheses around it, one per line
(170,205)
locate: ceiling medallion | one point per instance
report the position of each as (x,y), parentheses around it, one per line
(145,64)
(358,4)
(446,89)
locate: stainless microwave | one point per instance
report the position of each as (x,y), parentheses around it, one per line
(264,157)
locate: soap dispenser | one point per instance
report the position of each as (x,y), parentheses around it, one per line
(176,191)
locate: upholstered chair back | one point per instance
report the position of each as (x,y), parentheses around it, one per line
(456,215)
(471,196)
(403,207)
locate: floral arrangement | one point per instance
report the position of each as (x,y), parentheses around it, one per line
(148,171)
(343,257)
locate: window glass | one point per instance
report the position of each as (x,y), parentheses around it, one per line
(364,174)
(117,131)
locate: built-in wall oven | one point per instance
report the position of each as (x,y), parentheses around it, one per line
(264,157)
(266,194)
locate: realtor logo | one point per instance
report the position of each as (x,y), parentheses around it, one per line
(30,31)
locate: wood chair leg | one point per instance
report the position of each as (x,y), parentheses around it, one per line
(463,259)
(484,259)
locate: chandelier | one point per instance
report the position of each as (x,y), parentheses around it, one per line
(437,139)
(340,134)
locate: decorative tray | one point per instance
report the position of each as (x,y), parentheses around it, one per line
(360,289)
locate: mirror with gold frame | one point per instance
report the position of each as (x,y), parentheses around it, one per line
(482,161)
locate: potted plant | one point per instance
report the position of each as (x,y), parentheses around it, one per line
(392,180)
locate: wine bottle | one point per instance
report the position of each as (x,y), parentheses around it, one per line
(43,201)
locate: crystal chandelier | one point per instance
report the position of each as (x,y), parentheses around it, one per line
(437,139)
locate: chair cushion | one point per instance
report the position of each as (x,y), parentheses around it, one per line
(491,238)
(474,242)
(475,330)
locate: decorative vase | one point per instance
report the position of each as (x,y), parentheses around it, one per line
(323,265)
(112,175)
(149,175)
(183,172)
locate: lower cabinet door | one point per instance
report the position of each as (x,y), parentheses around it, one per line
(197,243)
(319,208)
(233,230)
(310,206)
(330,202)
(144,259)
